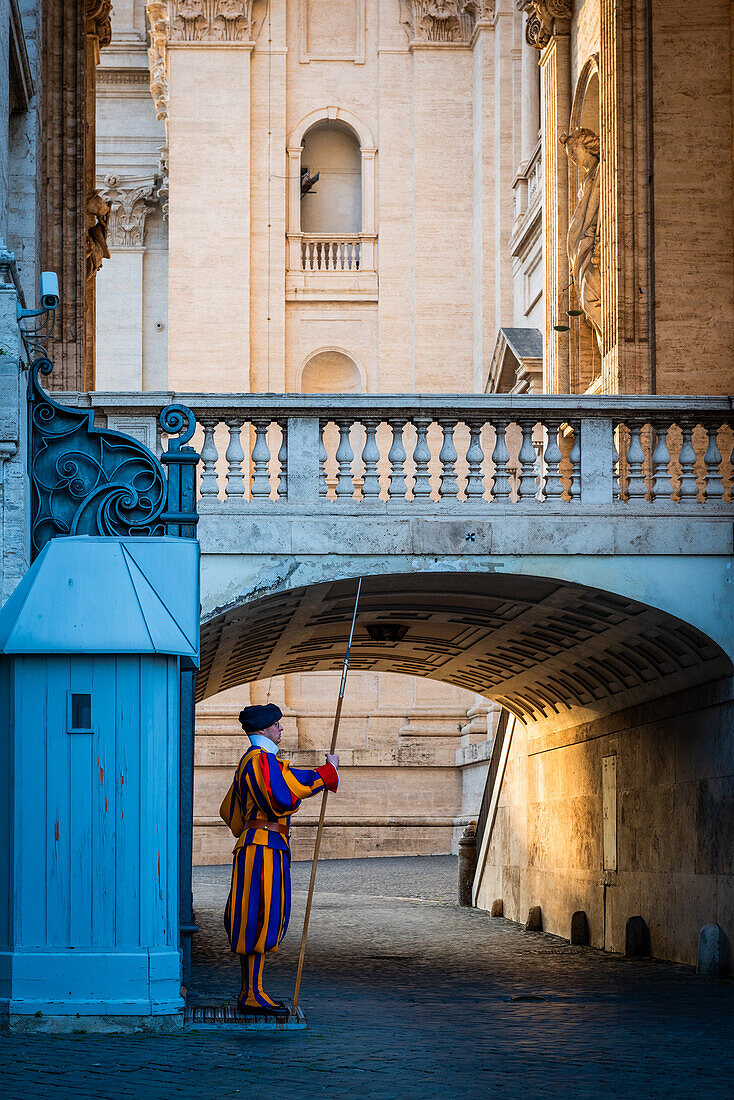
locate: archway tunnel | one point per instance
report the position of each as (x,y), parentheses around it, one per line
(586,676)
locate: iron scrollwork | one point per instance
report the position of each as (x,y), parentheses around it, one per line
(94,481)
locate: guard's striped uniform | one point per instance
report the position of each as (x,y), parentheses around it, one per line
(265,790)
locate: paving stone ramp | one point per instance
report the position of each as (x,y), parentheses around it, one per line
(407,995)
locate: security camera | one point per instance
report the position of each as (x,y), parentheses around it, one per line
(49,288)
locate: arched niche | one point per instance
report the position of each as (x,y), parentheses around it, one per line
(585,360)
(333,206)
(334,134)
(331,370)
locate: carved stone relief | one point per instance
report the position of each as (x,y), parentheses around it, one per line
(542,16)
(99,21)
(216,20)
(98,216)
(129,202)
(437,20)
(584,231)
(157,59)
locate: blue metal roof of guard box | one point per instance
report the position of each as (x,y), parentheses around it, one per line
(106,595)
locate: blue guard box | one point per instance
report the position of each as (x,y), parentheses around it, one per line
(91,643)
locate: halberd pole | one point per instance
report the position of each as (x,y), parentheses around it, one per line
(319,831)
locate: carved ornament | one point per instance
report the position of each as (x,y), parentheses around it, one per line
(542,17)
(99,21)
(481,11)
(129,202)
(97,216)
(216,20)
(438,20)
(584,231)
(158,58)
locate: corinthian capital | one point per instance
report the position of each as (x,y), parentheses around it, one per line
(99,21)
(130,201)
(214,20)
(437,20)
(543,16)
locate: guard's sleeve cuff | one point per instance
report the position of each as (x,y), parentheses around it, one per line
(329,775)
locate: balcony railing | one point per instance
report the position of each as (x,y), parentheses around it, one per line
(330,253)
(489,452)
(528,185)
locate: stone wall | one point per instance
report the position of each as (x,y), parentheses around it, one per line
(671,837)
(411,768)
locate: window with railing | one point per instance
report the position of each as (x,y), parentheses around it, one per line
(331,208)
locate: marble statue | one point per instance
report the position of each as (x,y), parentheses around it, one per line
(584,240)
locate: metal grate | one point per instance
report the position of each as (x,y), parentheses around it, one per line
(216,1017)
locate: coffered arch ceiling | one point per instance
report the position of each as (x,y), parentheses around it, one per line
(547,650)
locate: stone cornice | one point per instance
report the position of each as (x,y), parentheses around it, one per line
(544,19)
(130,201)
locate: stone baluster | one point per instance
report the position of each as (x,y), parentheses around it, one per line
(323,458)
(500,458)
(687,459)
(396,458)
(234,483)
(528,487)
(260,458)
(575,460)
(447,458)
(421,458)
(714,481)
(474,460)
(344,456)
(370,458)
(661,486)
(636,488)
(283,462)
(208,486)
(553,489)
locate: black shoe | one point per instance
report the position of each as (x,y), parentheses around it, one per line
(279,1010)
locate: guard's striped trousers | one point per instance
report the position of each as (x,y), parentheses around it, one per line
(257,912)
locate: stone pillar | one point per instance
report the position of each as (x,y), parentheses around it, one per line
(467,863)
(120,284)
(628,298)
(73,33)
(530,123)
(209,173)
(442,167)
(552,36)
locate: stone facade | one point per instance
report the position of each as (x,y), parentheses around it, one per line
(343,286)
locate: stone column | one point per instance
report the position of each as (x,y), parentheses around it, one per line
(548,30)
(120,283)
(628,297)
(442,173)
(530,101)
(209,54)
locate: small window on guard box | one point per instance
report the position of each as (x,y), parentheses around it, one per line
(80,712)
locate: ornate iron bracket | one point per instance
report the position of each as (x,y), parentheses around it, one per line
(95,481)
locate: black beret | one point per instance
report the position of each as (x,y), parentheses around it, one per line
(255,718)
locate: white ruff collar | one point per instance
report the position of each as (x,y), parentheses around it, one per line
(260,741)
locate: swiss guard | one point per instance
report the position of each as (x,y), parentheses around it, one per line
(265,792)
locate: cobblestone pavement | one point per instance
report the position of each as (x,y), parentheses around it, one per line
(409,996)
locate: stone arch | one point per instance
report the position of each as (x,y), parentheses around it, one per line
(553,652)
(341,371)
(346,120)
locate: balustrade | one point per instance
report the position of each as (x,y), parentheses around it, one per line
(330,253)
(472,451)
